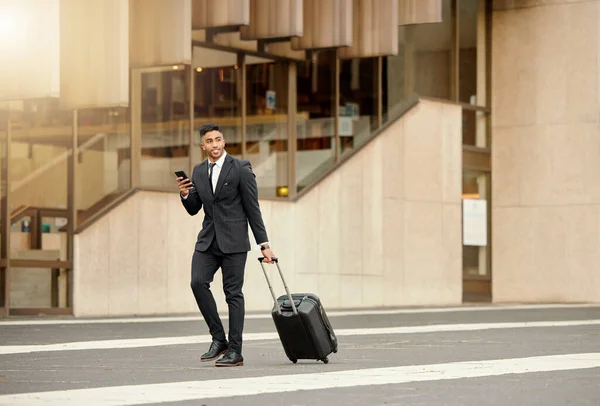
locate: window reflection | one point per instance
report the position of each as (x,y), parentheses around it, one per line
(41,136)
(267,121)
(423,64)
(103,162)
(217,93)
(315,117)
(358,101)
(165,125)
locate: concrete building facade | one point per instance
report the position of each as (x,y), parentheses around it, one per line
(414,153)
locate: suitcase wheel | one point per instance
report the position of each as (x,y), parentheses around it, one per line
(294,360)
(325,360)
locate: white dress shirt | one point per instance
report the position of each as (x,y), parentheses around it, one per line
(217,170)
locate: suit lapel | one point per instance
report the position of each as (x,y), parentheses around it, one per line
(224,171)
(204,177)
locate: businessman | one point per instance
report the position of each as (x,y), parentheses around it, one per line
(226,188)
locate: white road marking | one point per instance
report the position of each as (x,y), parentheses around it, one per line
(339,313)
(226,388)
(167,341)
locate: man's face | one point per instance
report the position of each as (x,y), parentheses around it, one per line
(213,143)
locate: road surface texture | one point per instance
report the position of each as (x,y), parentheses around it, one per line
(470,355)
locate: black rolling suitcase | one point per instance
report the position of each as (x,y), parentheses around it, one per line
(302,324)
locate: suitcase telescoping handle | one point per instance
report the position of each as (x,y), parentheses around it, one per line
(262,264)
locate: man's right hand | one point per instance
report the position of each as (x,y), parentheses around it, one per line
(184,186)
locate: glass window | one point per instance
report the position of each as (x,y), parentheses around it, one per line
(358,101)
(41,136)
(267,123)
(428,56)
(469,65)
(217,98)
(104,161)
(423,64)
(472,71)
(165,125)
(315,129)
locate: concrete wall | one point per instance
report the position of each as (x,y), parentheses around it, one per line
(382,230)
(546,151)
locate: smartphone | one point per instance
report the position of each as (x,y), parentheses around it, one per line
(181,174)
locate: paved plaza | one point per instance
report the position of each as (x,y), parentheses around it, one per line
(470,355)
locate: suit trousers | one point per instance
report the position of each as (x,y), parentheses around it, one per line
(204,266)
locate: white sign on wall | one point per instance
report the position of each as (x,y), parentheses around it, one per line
(474,222)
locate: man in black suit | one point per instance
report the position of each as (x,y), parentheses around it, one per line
(226,188)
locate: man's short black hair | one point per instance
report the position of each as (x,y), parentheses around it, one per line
(206,128)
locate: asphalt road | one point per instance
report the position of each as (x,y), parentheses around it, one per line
(489,355)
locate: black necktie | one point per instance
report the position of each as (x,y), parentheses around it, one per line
(210,172)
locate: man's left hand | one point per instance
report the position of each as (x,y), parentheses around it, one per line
(268,254)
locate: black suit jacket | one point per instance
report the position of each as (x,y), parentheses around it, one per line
(228,212)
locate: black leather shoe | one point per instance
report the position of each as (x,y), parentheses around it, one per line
(231,359)
(216,349)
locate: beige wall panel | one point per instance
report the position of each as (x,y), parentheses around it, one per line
(513,260)
(153,271)
(393,252)
(423,252)
(583,253)
(557,164)
(372,291)
(545,150)
(29,45)
(513,71)
(506,166)
(91,277)
(307,223)
(327,24)
(546,80)
(423,153)
(372,198)
(220,13)
(551,60)
(351,291)
(179,245)
(393,168)
(94,53)
(330,289)
(273,19)
(451,134)
(584,62)
(123,256)
(160,33)
(374,29)
(450,289)
(330,223)
(351,207)
(419,11)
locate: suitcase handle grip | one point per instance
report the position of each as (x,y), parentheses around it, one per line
(260,259)
(289,295)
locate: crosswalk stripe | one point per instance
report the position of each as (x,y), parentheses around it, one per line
(335,313)
(226,388)
(167,341)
